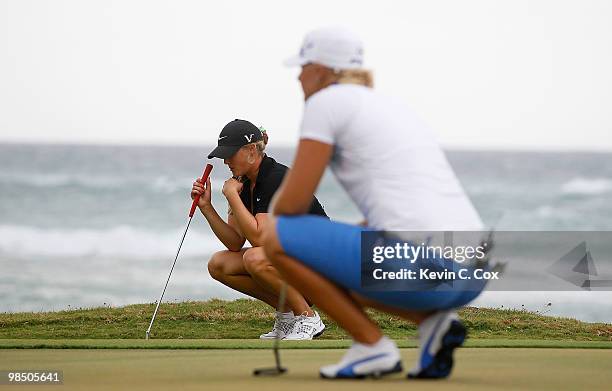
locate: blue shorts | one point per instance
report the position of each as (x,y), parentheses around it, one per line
(333,250)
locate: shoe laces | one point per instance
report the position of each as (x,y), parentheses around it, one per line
(303,324)
(283,325)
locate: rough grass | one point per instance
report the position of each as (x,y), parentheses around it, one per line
(245,319)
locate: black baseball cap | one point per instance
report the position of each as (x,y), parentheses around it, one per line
(234,136)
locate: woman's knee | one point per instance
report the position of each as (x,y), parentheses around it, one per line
(215,266)
(255,260)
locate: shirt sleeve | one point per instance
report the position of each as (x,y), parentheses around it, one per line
(318,122)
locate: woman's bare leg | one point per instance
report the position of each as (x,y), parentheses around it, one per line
(227,267)
(336,302)
(262,271)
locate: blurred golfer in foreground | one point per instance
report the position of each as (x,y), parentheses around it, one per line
(255,178)
(397,175)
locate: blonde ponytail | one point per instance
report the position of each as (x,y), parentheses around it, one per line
(362,77)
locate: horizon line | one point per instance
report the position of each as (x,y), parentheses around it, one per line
(447,147)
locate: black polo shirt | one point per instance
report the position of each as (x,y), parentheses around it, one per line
(269,179)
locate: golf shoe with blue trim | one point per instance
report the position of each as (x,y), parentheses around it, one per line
(439,335)
(361,361)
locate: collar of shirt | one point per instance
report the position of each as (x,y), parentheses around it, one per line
(264,169)
(266,166)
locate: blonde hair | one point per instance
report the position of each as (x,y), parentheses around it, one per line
(362,77)
(260,145)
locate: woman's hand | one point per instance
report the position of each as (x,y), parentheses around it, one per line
(231,186)
(203,191)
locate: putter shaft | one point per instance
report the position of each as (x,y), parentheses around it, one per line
(194,204)
(168,279)
(278,369)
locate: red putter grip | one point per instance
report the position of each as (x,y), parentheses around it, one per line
(207,171)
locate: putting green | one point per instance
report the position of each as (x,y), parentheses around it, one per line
(476,369)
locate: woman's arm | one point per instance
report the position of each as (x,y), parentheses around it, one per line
(252,227)
(226,233)
(295,194)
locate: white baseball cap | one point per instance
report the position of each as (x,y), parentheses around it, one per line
(333,47)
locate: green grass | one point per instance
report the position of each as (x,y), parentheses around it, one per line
(246,319)
(213,345)
(475,370)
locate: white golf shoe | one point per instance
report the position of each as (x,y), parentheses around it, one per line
(361,361)
(282,326)
(439,335)
(305,328)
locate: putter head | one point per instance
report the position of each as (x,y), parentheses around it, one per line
(278,369)
(269,371)
(147,336)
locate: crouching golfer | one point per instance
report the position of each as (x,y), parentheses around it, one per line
(399,178)
(255,178)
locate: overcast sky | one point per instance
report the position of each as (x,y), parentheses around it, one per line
(484,74)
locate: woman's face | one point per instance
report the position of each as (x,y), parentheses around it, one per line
(239,163)
(314,77)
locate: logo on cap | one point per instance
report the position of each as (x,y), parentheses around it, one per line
(249,138)
(306,46)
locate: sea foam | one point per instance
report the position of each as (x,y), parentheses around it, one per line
(117,242)
(587,186)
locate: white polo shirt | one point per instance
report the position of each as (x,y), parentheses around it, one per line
(388,161)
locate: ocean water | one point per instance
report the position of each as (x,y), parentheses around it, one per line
(84,226)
